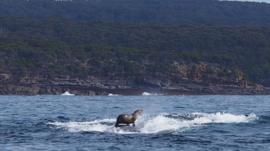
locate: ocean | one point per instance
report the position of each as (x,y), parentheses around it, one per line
(168,123)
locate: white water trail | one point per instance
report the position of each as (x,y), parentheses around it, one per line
(156,124)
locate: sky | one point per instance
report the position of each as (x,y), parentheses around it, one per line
(267,1)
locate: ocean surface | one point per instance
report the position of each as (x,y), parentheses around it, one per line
(168,123)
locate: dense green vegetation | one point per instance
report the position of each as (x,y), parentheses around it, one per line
(65,47)
(127,38)
(206,12)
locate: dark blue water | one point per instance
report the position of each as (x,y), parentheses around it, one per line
(191,123)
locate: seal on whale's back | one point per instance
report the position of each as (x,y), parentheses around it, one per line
(128,118)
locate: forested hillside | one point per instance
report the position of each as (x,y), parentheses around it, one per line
(102,46)
(168,12)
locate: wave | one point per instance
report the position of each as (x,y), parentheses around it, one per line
(150,94)
(111,94)
(156,124)
(67,94)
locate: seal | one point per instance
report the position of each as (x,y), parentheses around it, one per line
(128,118)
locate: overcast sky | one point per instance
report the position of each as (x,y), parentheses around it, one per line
(268,1)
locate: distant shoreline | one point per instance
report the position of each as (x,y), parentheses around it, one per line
(93,91)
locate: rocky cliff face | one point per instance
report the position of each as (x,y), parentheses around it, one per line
(182,78)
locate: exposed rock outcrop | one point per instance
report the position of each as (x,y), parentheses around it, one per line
(183,78)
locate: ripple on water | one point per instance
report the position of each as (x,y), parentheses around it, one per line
(169,123)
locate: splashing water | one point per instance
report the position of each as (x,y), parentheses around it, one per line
(67,94)
(150,94)
(155,124)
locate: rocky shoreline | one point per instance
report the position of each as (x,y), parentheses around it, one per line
(90,90)
(184,79)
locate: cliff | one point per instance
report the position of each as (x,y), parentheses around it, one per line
(201,78)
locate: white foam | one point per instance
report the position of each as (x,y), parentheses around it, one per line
(67,94)
(223,118)
(161,123)
(111,94)
(95,126)
(146,93)
(149,94)
(156,124)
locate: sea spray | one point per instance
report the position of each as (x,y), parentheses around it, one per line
(155,124)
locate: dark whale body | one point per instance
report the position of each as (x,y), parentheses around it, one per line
(126,119)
